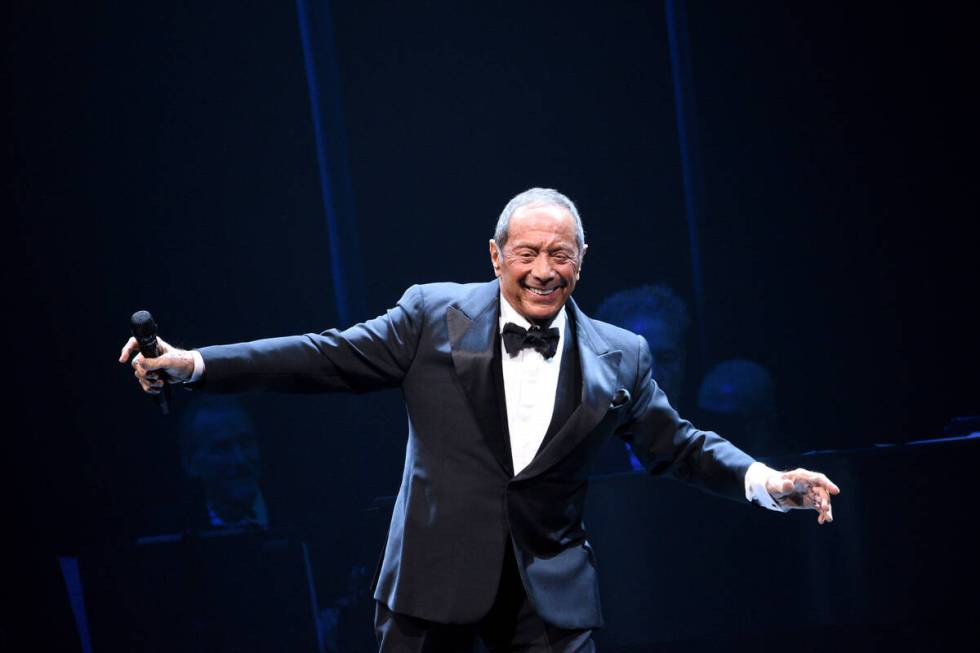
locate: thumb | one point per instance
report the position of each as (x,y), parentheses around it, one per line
(167,359)
(177,364)
(780,485)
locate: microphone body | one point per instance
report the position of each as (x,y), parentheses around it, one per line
(145,331)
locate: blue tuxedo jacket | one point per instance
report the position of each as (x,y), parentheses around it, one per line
(460,504)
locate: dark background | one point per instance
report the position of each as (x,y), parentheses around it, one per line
(164,157)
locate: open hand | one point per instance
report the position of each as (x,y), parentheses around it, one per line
(803,489)
(171,366)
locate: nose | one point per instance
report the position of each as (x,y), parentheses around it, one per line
(542,269)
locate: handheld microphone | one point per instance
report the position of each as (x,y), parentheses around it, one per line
(145,331)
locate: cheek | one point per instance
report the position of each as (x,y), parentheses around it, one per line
(570,272)
(513,273)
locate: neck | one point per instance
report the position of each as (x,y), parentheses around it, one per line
(231,507)
(539,322)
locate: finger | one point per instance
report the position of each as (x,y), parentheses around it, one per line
(145,377)
(818,479)
(150,364)
(148,387)
(128,349)
(826,515)
(828,484)
(824,507)
(137,361)
(820,496)
(142,369)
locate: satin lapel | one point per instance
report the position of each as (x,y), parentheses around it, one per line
(473,327)
(600,372)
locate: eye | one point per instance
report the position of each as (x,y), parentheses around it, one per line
(525,255)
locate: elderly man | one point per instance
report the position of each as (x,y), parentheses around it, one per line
(511,391)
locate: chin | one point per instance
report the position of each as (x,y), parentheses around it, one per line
(543,311)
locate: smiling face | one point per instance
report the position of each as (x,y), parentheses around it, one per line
(540,261)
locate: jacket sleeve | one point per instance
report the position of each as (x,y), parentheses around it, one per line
(372,355)
(666,444)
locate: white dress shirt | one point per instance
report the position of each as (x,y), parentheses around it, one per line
(530,385)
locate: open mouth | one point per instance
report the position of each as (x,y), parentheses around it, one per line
(542,292)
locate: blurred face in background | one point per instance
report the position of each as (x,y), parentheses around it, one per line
(223,453)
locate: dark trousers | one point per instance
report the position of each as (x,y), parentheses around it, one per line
(511,625)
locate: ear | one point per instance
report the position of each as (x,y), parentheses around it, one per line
(581,259)
(496,258)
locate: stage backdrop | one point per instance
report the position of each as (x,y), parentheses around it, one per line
(167,157)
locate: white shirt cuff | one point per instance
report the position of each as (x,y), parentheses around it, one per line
(199,369)
(755,486)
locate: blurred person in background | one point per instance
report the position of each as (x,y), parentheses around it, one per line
(661,317)
(219,447)
(737,398)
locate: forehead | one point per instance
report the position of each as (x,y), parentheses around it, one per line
(537,222)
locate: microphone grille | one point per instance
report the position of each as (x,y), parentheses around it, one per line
(142,324)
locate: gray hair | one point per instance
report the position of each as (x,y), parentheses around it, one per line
(538,197)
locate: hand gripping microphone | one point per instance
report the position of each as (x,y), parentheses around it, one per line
(145,332)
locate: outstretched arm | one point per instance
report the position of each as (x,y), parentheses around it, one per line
(368,356)
(665,443)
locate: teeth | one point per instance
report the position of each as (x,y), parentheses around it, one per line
(538,291)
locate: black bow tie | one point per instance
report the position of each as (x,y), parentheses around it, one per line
(543,341)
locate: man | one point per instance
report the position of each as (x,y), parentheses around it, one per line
(511,391)
(219,447)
